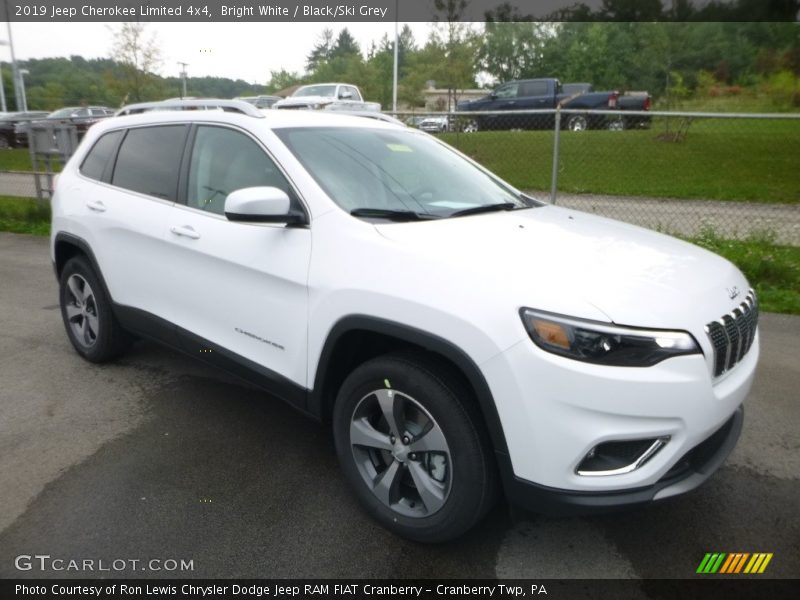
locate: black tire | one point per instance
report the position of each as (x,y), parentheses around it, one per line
(89,320)
(467,469)
(577,123)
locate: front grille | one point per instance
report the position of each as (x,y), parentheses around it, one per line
(733,334)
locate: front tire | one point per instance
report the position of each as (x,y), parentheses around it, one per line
(86,311)
(411,446)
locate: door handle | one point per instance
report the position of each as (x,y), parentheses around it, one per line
(185,231)
(96,205)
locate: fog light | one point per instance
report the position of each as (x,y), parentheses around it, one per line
(619,457)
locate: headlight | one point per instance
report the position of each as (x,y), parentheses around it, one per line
(603,343)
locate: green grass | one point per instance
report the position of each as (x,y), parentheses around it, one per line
(773,270)
(744,160)
(24,215)
(15,159)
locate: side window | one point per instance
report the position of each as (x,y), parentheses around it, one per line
(149,160)
(224,160)
(81,112)
(508,90)
(534,88)
(353,92)
(99,157)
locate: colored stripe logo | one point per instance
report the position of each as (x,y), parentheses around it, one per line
(734,562)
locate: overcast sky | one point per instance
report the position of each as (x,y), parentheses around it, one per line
(237,50)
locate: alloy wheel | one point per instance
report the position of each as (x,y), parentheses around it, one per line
(401,453)
(81,309)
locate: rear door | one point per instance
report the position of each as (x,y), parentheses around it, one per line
(128,185)
(240,286)
(536,94)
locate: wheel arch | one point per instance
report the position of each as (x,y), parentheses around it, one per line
(357,338)
(67,246)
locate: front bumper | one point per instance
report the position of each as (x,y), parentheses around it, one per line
(689,472)
(554,411)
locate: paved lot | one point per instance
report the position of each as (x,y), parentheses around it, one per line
(158,457)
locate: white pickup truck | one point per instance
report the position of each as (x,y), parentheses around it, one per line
(328,96)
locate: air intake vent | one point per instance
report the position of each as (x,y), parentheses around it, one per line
(733,334)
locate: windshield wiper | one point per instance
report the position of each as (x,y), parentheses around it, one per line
(484,209)
(392,215)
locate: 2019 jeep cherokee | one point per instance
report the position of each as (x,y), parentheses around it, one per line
(460,337)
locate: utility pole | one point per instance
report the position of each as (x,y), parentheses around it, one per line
(396,44)
(2,84)
(183,76)
(14,70)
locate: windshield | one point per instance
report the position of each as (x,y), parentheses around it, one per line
(61,113)
(394,170)
(316,90)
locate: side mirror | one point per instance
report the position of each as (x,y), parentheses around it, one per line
(493,96)
(260,205)
(345,95)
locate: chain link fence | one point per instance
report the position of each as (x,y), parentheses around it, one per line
(736,175)
(49,146)
(684,173)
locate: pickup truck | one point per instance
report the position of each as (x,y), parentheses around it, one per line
(547,93)
(327,96)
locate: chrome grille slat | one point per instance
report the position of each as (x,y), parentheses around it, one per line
(732,335)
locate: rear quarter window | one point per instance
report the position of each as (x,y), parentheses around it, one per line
(100,156)
(149,160)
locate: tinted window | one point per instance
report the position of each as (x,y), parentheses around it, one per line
(223,161)
(96,161)
(534,88)
(149,160)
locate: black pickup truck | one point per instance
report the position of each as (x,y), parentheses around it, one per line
(547,93)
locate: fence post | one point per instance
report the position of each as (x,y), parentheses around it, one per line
(554,177)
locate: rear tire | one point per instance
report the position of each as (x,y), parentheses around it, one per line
(88,317)
(577,123)
(413,449)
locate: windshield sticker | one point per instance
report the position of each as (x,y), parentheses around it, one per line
(399,148)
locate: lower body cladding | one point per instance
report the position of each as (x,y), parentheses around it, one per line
(585,438)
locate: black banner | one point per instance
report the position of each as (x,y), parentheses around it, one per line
(398,10)
(425,589)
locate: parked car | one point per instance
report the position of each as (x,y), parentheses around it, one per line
(545,93)
(8,123)
(327,96)
(434,124)
(387,285)
(82,117)
(260,101)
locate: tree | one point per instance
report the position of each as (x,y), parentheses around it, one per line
(345,47)
(139,56)
(458,45)
(321,52)
(280,80)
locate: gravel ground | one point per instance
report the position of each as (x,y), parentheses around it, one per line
(688,217)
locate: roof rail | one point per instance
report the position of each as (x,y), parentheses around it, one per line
(239,106)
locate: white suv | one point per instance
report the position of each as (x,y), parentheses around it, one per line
(461,338)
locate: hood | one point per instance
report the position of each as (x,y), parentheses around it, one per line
(560,260)
(303,100)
